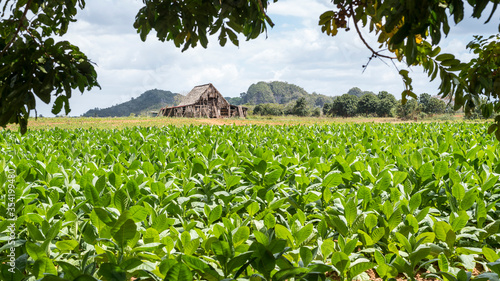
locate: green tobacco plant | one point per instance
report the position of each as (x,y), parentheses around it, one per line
(250,203)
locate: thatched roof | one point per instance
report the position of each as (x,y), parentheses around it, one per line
(195,94)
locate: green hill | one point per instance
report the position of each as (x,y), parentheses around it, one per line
(259,93)
(280,93)
(151,100)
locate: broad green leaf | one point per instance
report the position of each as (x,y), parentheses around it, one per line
(460,221)
(404,242)
(91,194)
(269,221)
(327,248)
(283,233)
(288,273)
(253,208)
(490,255)
(458,191)
(112,272)
(416,160)
(364,193)
(232,180)
(241,235)
(426,237)
(66,245)
(43,266)
(425,171)
(151,236)
(443,263)
(35,251)
(341,261)
(469,199)
(70,271)
(124,229)
(440,169)
(365,238)
(415,202)
(327,194)
(185,238)
(412,222)
(121,200)
(360,267)
(215,214)
(395,219)
(490,183)
(150,247)
(138,213)
(339,225)
(306,255)
(261,167)
(191,247)
(303,234)
(350,212)
(377,234)
(261,237)
(387,271)
(350,246)
(332,180)
(441,229)
(35,233)
(419,254)
(384,182)
(371,221)
(239,261)
(272,177)
(221,248)
(399,177)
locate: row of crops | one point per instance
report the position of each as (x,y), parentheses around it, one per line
(339,202)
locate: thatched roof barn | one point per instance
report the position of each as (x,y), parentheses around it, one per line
(204,101)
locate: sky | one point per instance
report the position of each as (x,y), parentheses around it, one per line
(294,51)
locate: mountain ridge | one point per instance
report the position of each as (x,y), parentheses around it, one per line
(259,93)
(151,100)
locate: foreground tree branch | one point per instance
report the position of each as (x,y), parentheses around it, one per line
(375,53)
(14,37)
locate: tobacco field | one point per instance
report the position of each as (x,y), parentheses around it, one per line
(330,202)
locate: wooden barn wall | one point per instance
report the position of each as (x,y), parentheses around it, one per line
(210,104)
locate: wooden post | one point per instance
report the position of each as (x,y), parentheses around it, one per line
(216,112)
(240,111)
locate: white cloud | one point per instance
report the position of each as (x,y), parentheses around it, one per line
(295,51)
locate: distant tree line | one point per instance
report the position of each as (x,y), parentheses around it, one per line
(383,104)
(358,103)
(424,106)
(361,103)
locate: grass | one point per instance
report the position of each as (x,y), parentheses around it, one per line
(45,123)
